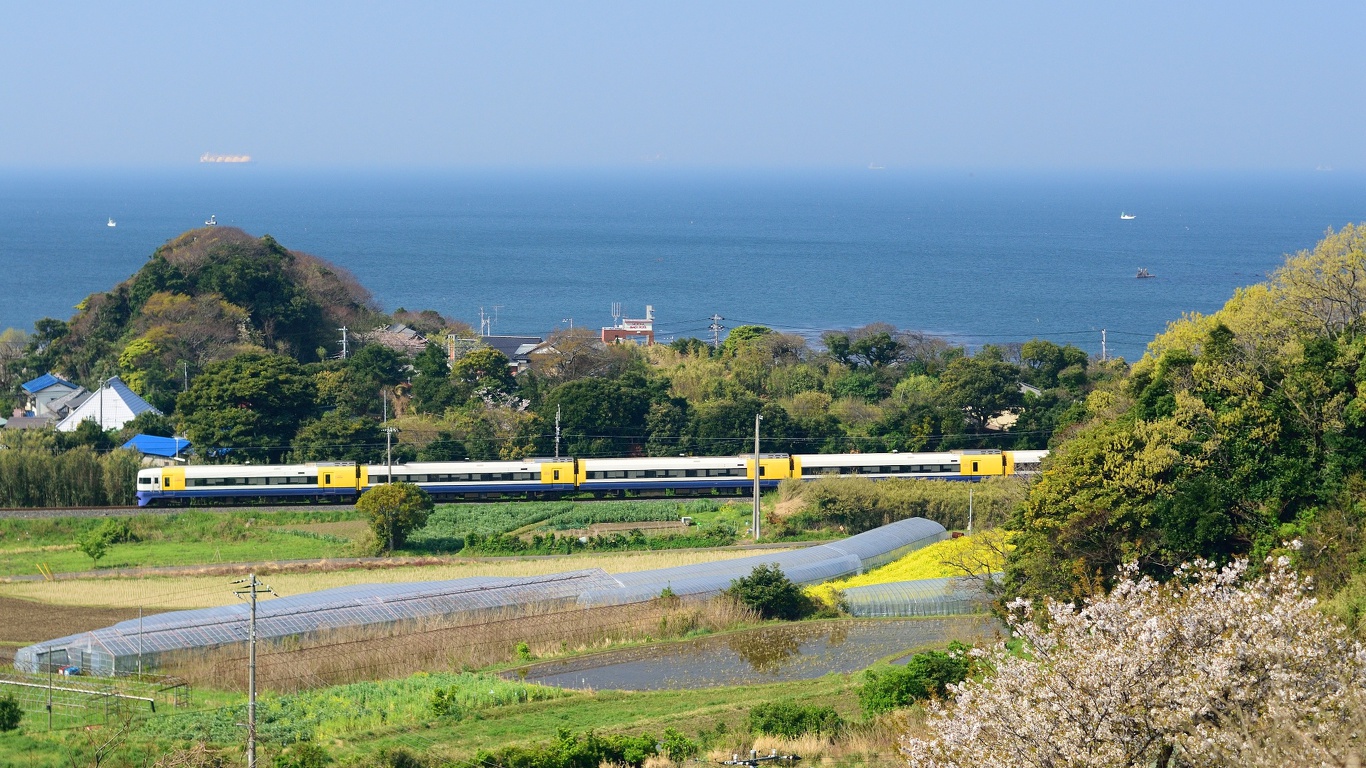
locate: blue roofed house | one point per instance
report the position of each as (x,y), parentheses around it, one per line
(44,390)
(157,450)
(111,406)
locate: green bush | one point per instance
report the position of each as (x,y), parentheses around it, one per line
(305,754)
(927,675)
(10,714)
(394,510)
(588,750)
(679,747)
(791,720)
(769,592)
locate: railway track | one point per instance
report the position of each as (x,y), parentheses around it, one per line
(35,513)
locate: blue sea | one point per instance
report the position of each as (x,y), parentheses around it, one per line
(977,258)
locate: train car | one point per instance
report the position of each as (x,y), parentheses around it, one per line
(320,482)
(455,480)
(681,475)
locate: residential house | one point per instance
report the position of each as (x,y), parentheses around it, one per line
(112,406)
(44,390)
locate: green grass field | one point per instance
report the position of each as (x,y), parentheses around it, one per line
(199,537)
(357,720)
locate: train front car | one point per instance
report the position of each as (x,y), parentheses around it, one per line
(680,475)
(149,487)
(457,480)
(247,484)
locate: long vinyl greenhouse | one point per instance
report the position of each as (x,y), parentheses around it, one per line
(131,646)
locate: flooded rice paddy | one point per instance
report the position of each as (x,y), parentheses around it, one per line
(765,655)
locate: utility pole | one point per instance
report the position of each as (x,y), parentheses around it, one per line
(557,432)
(140,637)
(184,376)
(969,510)
(388,439)
(389,462)
(716,329)
(757,418)
(1103,352)
(49,687)
(253,587)
(343,330)
(101,403)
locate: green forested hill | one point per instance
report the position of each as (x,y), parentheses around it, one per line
(1237,431)
(204,296)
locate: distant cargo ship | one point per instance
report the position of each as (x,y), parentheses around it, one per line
(209,157)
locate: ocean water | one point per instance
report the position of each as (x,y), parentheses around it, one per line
(976,258)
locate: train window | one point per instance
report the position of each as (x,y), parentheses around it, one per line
(691,473)
(974,466)
(327,478)
(256,481)
(557,474)
(417,478)
(523,476)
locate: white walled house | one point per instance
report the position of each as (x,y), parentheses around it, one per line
(111,406)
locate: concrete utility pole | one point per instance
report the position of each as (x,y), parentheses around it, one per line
(388,439)
(557,432)
(1103,351)
(969,510)
(343,330)
(253,587)
(716,329)
(757,469)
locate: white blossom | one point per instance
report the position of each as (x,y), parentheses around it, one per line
(1202,671)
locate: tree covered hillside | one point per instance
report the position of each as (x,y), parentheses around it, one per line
(1237,431)
(205,296)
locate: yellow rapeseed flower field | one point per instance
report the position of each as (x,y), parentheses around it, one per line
(928,563)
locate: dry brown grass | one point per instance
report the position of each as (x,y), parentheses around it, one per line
(346,529)
(211,587)
(870,743)
(465,642)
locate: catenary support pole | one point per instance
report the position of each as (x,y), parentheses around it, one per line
(757,471)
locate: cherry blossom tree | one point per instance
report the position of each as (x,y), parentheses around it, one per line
(1212,668)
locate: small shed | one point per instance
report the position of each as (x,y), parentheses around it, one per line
(159,447)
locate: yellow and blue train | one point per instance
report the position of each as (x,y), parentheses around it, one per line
(554,478)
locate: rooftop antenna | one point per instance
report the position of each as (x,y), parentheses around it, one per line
(616,314)
(496,307)
(483,323)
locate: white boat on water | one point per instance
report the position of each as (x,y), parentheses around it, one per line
(112,223)
(212,222)
(1126,216)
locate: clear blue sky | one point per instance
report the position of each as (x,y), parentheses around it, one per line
(1013,85)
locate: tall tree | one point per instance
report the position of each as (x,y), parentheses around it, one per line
(252,404)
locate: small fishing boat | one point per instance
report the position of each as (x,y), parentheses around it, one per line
(1143,272)
(212,222)
(1126,216)
(112,223)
